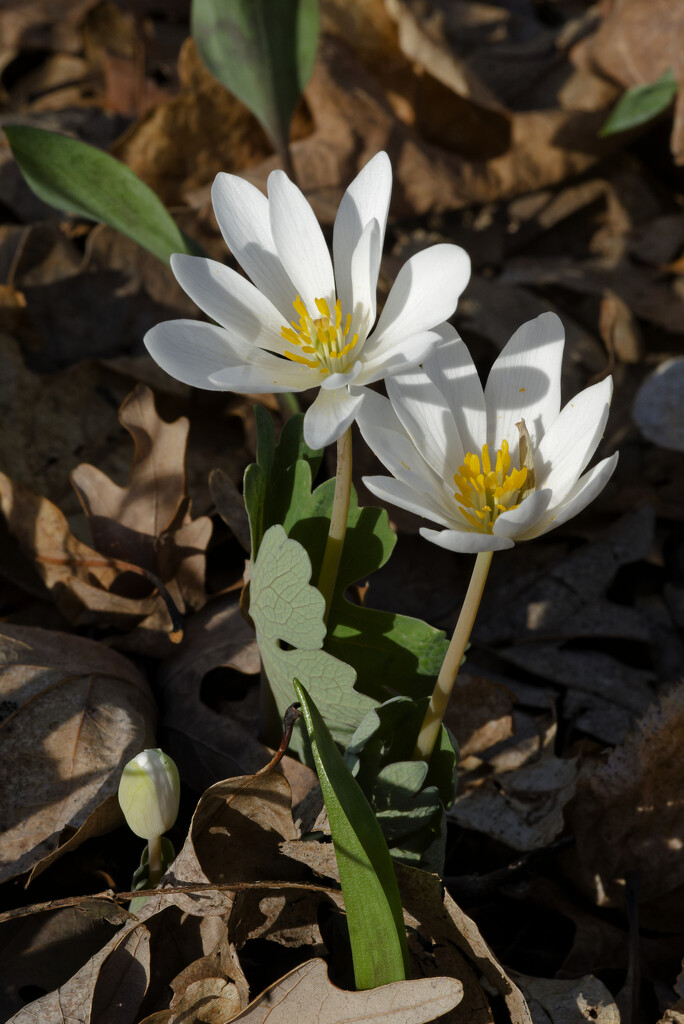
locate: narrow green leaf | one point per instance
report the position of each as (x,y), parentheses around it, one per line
(263,51)
(641,104)
(81,179)
(369,884)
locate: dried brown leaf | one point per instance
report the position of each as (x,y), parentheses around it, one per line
(74,713)
(307,994)
(207,745)
(569,1002)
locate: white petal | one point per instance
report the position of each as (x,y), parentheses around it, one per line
(329,416)
(525,382)
(190,351)
(363,285)
(207,356)
(383,433)
(396,492)
(572,439)
(424,294)
(451,368)
(405,355)
(584,491)
(523,518)
(242,214)
(230,299)
(340,380)
(466,542)
(427,419)
(299,242)
(366,199)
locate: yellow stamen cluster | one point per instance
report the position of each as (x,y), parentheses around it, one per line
(485,492)
(322,341)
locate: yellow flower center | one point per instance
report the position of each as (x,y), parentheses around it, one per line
(484,492)
(322,342)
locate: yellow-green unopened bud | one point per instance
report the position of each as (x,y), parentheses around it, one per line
(149,793)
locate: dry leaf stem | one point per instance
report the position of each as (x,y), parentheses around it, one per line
(432,722)
(338,520)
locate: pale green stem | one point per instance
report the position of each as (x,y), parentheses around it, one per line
(338,520)
(155,860)
(432,722)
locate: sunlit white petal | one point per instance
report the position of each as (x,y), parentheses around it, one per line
(588,487)
(450,367)
(405,355)
(424,294)
(466,543)
(396,492)
(573,438)
(366,199)
(329,416)
(518,520)
(299,241)
(524,383)
(230,299)
(242,214)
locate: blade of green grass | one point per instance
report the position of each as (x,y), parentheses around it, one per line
(641,104)
(369,884)
(81,179)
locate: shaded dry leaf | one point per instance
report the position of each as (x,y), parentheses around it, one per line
(307,994)
(233,837)
(212,988)
(74,712)
(628,815)
(569,1002)
(518,800)
(206,745)
(125,959)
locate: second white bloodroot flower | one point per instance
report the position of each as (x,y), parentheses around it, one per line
(306,320)
(490,467)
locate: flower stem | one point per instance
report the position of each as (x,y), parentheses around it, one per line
(432,722)
(338,520)
(155,860)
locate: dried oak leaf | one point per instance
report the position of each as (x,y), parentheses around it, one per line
(73,713)
(306,993)
(628,816)
(146,524)
(561,1001)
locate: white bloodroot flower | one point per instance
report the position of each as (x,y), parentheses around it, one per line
(494,467)
(301,324)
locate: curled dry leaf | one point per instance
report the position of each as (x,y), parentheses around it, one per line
(146,524)
(658,409)
(74,712)
(233,837)
(308,994)
(628,815)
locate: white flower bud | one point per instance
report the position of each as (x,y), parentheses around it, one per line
(149,793)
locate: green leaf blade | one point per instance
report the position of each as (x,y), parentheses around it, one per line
(263,51)
(641,104)
(78,178)
(369,884)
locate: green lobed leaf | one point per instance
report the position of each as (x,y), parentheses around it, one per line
(286,610)
(81,179)
(641,104)
(263,51)
(409,797)
(391,653)
(369,884)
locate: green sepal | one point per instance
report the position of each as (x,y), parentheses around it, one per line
(141,875)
